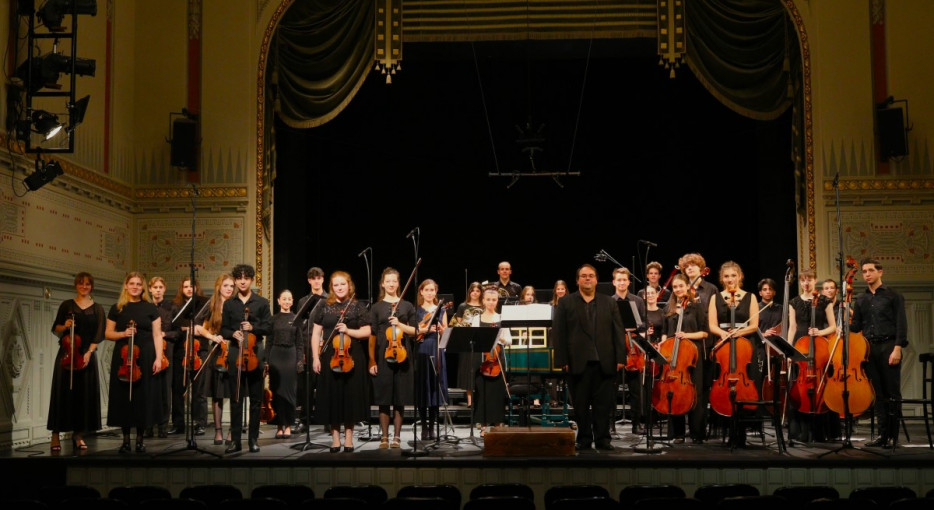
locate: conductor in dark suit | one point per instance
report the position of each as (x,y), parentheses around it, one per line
(588,339)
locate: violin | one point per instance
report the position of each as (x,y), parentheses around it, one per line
(247,358)
(490,366)
(266,413)
(848,390)
(395,348)
(674,393)
(429,319)
(71,343)
(195,345)
(129,368)
(341,360)
(733,383)
(809,376)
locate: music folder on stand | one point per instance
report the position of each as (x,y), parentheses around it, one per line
(652,355)
(531,315)
(470,340)
(787,351)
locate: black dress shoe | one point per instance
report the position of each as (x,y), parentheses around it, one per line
(253,446)
(581,447)
(234,447)
(335,449)
(878,442)
(199,430)
(140,447)
(125,448)
(148,432)
(175,431)
(678,440)
(162,432)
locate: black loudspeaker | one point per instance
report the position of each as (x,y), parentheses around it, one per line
(893,141)
(185,143)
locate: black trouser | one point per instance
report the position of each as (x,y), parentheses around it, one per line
(886,381)
(178,389)
(251,387)
(593,395)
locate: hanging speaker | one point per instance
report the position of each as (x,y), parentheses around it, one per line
(893,141)
(185,143)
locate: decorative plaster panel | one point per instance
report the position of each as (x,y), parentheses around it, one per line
(165,247)
(899,238)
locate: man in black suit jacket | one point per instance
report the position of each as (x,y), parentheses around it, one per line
(588,339)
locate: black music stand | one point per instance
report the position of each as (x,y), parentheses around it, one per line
(300,328)
(787,351)
(526,316)
(656,357)
(632,321)
(470,340)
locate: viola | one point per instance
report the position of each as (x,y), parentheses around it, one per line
(71,344)
(674,393)
(341,360)
(804,390)
(266,413)
(733,383)
(848,390)
(768,383)
(129,368)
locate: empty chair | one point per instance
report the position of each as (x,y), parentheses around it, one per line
(52,495)
(134,494)
(445,492)
(419,503)
(487,490)
(594,503)
(930,494)
(911,504)
(500,503)
(574,492)
(669,504)
(799,496)
(374,495)
(173,503)
(97,503)
(338,504)
(252,504)
(883,495)
(629,495)
(842,504)
(211,494)
(767,502)
(25,504)
(712,494)
(293,495)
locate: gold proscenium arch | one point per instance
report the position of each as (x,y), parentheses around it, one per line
(273,23)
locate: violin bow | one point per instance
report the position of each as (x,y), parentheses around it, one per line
(339,320)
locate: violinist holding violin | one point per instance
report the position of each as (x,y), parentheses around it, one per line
(134,402)
(431,389)
(342,326)
(181,325)
(879,314)
(210,381)
(390,347)
(74,404)
(489,384)
(246,321)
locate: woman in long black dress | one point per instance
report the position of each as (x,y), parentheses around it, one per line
(463,316)
(693,328)
(392,379)
(285,351)
(212,349)
(75,403)
(490,391)
(431,392)
(138,403)
(341,395)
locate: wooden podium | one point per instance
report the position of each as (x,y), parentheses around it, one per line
(529,442)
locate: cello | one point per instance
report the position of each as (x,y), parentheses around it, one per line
(768,385)
(341,361)
(810,373)
(733,383)
(674,393)
(129,368)
(848,390)
(395,348)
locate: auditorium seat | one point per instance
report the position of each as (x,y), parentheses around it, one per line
(574,492)
(339,504)
(800,495)
(374,495)
(211,494)
(134,494)
(292,494)
(446,492)
(669,504)
(713,493)
(25,504)
(594,503)
(766,502)
(629,495)
(911,504)
(487,490)
(419,503)
(52,495)
(173,503)
(842,504)
(500,503)
(883,495)
(252,504)
(97,504)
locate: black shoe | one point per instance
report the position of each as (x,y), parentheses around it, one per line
(638,429)
(335,449)
(582,447)
(125,448)
(176,430)
(199,430)
(140,446)
(879,442)
(254,448)
(348,449)
(606,447)
(234,447)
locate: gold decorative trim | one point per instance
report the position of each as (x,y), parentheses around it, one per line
(211,192)
(881,184)
(808,129)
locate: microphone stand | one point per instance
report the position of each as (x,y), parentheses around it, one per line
(368,262)
(415,235)
(303,325)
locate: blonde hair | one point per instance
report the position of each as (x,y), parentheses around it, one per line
(125,296)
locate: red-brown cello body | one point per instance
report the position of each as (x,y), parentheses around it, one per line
(804,392)
(733,383)
(674,393)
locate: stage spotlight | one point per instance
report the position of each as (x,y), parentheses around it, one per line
(43,175)
(47,68)
(54,11)
(41,122)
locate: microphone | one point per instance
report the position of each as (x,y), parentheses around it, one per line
(600,257)
(411,233)
(368,248)
(649,243)
(194,189)
(790,263)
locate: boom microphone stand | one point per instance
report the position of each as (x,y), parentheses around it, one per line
(301,327)
(368,262)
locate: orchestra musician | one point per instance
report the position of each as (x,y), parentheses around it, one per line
(828,288)
(199,410)
(588,341)
(315,276)
(560,290)
(505,286)
(653,273)
(527,295)
(285,351)
(879,314)
(735,312)
(431,389)
(693,328)
(169,337)
(467,365)
(74,403)
(490,391)
(634,378)
(770,312)
(341,396)
(694,267)
(134,403)
(242,327)
(212,381)
(393,382)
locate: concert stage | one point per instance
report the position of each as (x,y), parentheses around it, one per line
(168,463)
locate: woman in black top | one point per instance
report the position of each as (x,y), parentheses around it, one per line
(693,328)
(467,364)
(134,403)
(75,403)
(284,352)
(212,380)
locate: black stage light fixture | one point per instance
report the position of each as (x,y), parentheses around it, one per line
(44,174)
(41,122)
(53,12)
(76,112)
(47,68)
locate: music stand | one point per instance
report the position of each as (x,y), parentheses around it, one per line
(470,340)
(656,357)
(787,351)
(526,316)
(632,320)
(300,327)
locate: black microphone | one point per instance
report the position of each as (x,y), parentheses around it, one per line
(364,251)
(649,243)
(194,189)
(411,233)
